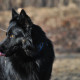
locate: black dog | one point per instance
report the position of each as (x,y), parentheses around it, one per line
(26,53)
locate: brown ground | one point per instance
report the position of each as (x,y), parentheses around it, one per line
(66,68)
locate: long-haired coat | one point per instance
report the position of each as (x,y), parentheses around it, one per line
(26,53)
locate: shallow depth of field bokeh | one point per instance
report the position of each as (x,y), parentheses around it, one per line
(60,19)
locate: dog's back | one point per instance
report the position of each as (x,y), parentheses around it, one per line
(28,52)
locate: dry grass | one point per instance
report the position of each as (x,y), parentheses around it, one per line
(66,69)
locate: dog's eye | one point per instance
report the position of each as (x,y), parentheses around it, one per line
(11,36)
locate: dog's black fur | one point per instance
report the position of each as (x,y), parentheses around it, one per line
(28,52)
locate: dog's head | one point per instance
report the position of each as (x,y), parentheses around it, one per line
(18,35)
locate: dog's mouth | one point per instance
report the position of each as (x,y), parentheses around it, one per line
(8,52)
(2,54)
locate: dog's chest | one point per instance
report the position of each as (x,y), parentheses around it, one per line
(8,71)
(17,72)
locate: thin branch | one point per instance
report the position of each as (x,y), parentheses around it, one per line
(3,30)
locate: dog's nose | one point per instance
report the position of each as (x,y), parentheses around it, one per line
(1,51)
(1,48)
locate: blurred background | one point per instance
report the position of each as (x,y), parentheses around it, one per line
(60,19)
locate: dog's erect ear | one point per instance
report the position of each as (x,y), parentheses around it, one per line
(22,13)
(14,14)
(24,17)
